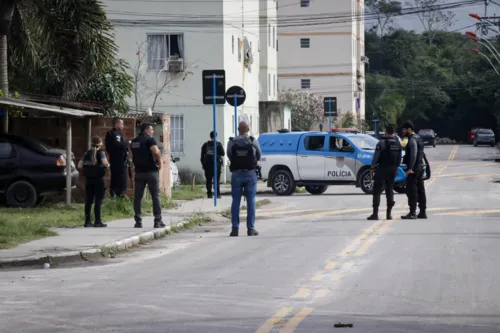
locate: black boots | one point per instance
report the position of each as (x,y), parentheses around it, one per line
(374,216)
(422,214)
(389,210)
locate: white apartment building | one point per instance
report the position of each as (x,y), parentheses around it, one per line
(321,49)
(174,41)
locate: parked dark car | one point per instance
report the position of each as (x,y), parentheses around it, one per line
(484,137)
(428,136)
(30,170)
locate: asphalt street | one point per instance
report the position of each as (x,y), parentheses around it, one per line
(317,262)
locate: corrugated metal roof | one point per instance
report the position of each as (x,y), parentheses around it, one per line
(47,108)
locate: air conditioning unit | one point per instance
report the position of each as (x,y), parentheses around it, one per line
(175,65)
(365,59)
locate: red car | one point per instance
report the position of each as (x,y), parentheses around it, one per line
(472,134)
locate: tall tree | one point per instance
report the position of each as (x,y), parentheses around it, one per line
(306,107)
(384,12)
(433,18)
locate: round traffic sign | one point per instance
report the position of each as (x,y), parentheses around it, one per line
(239,93)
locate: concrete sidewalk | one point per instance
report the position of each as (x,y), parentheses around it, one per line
(79,243)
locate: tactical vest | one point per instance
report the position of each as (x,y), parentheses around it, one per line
(242,155)
(420,151)
(209,156)
(143,158)
(90,170)
(392,153)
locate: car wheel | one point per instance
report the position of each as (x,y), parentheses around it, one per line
(475,143)
(316,189)
(401,189)
(366,182)
(283,183)
(434,146)
(21,194)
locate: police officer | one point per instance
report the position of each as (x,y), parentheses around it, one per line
(414,159)
(388,157)
(147,163)
(117,148)
(94,164)
(243,152)
(207,162)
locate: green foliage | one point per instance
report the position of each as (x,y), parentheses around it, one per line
(306,107)
(65,48)
(441,85)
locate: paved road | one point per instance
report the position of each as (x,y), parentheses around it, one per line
(310,268)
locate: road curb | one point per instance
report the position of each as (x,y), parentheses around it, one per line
(103,250)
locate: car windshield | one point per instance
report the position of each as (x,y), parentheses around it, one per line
(363,141)
(485,131)
(426,132)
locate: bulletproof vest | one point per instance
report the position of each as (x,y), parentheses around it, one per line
(143,159)
(209,156)
(242,155)
(420,150)
(391,156)
(89,169)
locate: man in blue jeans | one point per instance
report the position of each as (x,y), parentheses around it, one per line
(243,151)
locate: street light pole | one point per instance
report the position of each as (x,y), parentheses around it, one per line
(479,18)
(490,49)
(484,55)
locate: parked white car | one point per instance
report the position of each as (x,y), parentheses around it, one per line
(175,180)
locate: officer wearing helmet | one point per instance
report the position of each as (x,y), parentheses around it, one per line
(388,156)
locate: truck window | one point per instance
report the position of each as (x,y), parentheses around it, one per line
(314,142)
(336,143)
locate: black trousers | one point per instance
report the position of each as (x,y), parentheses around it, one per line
(209,176)
(118,184)
(94,194)
(152,180)
(384,179)
(415,191)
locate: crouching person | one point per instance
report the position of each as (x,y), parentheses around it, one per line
(94,165)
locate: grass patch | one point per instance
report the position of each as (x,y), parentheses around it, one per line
(258,204)
(24,225)
(189,193)
(300,190)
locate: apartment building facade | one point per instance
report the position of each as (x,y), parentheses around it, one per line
(321,49)
(169,44)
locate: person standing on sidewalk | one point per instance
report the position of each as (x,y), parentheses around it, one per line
(388,157)
(243,152)
(94,164)
(147,162)
(117,148)
(207,162)
(414,160)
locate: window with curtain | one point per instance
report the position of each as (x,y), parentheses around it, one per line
(163,46)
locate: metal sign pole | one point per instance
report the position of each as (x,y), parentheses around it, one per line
(330,113)
(235,115)
(215,140)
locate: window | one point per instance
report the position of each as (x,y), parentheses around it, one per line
(305,43)
(269,27)
(339,144)
(274,37)
(305,83)
(274,85)
(239,50)
(232,43)
(177,133)
(314,142)
(483,131)
(269,84)
(5,150)
(162,47)
(304,3)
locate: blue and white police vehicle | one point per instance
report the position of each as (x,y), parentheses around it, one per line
(316,160)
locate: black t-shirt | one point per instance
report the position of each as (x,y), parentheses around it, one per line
(143,158)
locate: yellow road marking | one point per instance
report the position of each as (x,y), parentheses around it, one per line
(347,266)
(321,293)
(336,212)
(372,240)
(336,277)
(292,324)
(453,153)
(473,165)
(331,265)
(318,277)
(468,175)
(472,212)
(349,248)
(271,322)
(303,292)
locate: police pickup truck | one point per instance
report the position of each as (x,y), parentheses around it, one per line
(316,160)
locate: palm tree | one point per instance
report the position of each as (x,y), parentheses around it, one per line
(71,40)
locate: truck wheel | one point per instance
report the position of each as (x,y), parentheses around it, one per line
(401,189)
(316,189)
(283,183)
(366,182)
(21,194)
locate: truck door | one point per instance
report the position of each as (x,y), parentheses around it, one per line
(8,162)
(340,160)
(311,157)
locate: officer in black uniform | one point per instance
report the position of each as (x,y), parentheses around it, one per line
(388,157)
(207,162)
(117,148)
(147,163)
(414,159)
(94,164)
